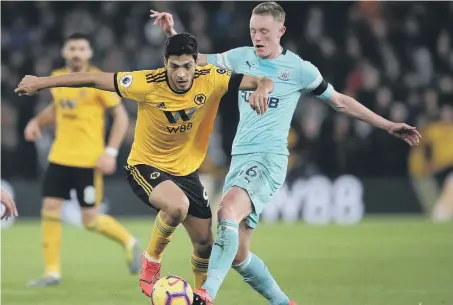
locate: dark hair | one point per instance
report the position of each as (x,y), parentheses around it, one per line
(78,36)
(181,44)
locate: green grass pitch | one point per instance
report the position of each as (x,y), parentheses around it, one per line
(382,261)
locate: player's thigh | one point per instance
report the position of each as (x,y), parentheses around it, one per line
(260,175)
(56,187)
(196,193)
(157,189)
(89,186)
(200,233)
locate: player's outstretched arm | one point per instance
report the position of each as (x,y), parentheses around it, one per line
(353,108)
(166,23)
(45,118)
(32,84)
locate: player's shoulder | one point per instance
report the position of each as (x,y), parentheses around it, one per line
(296,60)
(154,75)
(244,50)
(210,70)
(94,69)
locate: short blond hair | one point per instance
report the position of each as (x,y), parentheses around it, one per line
(270,8)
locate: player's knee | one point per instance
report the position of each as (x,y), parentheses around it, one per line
(176,211)
(202,248)
(89,218)
(51,206)
(233,206)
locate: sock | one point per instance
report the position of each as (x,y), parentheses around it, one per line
(200,270)
(254,272)
(51,242)
(161,236)
(222,255)
(111,228)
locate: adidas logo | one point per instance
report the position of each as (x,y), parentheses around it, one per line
(161,105)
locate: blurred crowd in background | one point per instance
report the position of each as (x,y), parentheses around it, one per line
(395,58)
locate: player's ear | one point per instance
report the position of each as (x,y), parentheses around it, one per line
(63,51)
(165,61)
(90,53)
(282,31)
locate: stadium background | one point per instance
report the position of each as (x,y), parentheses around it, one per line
(396,58)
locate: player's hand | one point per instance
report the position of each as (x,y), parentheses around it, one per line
(165,21)
(407,133)
(258,101)
(10,205)
(32,131)
(106,164)
(29,85)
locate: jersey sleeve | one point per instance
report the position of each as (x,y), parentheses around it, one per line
(312,81)
(227,81)
(228,60)
(133,85)
(110,99)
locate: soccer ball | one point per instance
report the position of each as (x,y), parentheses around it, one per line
(172,290)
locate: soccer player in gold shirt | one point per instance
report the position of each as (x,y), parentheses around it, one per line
(78,159)
(176,112)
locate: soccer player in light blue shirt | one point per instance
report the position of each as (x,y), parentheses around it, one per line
(260,154)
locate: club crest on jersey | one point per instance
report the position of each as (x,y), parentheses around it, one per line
(154,175)
(200,99)
(68,104)
(284,75)
(126,80)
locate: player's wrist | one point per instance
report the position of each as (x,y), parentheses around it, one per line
(172,32)
(111,151)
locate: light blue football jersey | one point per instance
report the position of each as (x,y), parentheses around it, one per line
(292,76)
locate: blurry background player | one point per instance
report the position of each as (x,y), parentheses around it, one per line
(438,155)
(178,106)
(79,158)
(259,163)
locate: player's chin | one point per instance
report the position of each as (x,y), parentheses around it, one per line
(261,51)
(183,86)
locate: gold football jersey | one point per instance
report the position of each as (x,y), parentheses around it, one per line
(172,130)
(80,130)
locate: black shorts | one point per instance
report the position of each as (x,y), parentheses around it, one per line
(87,182)
(143,178)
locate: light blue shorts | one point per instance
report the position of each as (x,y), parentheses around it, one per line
(261,175)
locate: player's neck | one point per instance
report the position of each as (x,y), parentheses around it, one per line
(84,68)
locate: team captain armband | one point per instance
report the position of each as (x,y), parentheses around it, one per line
(322,87)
